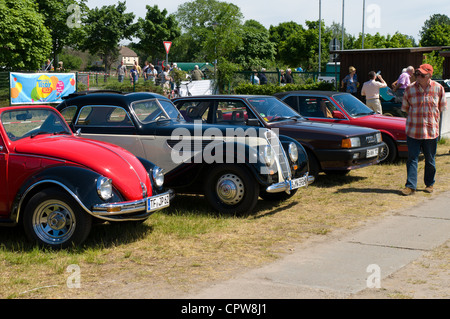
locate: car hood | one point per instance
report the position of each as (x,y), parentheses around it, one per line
(125,170)
(382,121)
(318,128)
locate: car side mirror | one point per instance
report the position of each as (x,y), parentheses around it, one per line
(78,132)
(252,122)
(338,115)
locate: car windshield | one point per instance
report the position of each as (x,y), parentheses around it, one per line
(273,110)
(154,110)
(352,105)
(30,122)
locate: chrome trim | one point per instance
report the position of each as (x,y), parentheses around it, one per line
(87,210)
(285,186)
(129,207)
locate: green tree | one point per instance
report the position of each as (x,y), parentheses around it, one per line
(60,19)
(437,35)
(212,26)
(104,28)
(435,19)
(256,49)
(279,35)
(154,29)
(25,41)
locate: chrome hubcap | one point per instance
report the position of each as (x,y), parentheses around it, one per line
(54,222)
(230,189)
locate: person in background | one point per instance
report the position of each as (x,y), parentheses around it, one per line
(134,75)
(423,101)
(197,74)
(371,90)
(288,76)
(262,77)
(121,72)
(351,81)
(402,83)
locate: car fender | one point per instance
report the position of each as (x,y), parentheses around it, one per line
(78,182)
(302,161)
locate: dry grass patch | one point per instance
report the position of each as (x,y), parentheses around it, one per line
(187,244)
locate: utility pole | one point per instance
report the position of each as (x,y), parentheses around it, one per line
(363,18)
(320,34)
(343,32)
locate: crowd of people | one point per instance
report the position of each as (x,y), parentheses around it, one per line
(163,75)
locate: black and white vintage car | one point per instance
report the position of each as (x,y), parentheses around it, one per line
(231,165)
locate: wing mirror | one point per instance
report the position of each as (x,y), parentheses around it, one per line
(338,115)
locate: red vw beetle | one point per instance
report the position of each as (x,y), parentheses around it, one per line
(56,184)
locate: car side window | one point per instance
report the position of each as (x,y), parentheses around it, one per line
(292,101)
(315,107)
(195,110)
(231,113)
(103,116)
(69,113)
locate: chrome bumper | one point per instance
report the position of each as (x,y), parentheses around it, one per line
(127,211)
(285,186)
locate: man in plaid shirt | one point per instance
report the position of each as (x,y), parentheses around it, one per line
(424,100)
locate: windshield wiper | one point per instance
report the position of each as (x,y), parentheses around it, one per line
(62,132)
(282,118)
(38,133)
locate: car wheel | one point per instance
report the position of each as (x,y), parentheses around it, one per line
(313,163)
(277,197)
(230,189)
(52,218)
(389,153)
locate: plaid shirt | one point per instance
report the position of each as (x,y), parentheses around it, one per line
(424,108)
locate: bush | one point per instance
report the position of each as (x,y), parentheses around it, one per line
(271,89)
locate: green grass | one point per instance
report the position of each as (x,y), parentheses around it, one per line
(188,243)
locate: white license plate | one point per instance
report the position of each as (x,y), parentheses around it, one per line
(157,202)
(372,152)
(299,182)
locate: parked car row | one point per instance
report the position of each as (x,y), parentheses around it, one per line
(120,157)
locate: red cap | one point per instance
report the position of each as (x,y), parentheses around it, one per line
(425,69)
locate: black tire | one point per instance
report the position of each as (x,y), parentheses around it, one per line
(230,189)
(388,154)
(277,197)
(52,218)
(314,166)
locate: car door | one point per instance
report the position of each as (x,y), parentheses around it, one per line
(109,123)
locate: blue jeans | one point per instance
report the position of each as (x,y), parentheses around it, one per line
(428,147)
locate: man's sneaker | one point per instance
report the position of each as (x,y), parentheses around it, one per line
(429,189)
(407,191)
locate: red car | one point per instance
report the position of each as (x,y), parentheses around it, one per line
(56,183)
(344,108)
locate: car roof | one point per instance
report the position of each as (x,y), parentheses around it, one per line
(107,95)
(222,96)
(309,92)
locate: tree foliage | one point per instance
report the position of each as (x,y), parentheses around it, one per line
(103,30)
(155,28)
(25,42)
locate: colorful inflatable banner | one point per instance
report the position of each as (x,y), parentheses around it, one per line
(37,88)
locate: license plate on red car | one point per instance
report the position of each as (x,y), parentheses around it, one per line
(157,202)
(299,182)
(372,152)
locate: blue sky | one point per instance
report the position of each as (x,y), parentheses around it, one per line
(383,16)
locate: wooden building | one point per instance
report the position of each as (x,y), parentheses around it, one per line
(389,61)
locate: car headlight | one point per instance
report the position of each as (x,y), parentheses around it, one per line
(268,155)
(104,188)
(351,142)
(293,152)
(158,176)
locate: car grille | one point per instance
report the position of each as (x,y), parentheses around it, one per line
(274,141)
(368,140)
